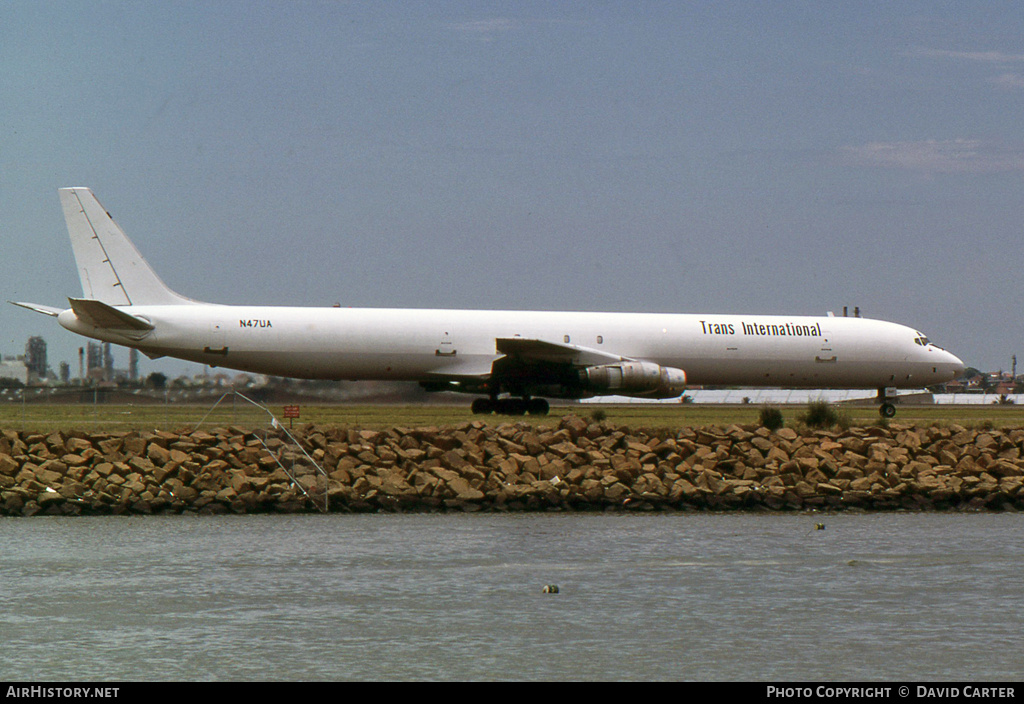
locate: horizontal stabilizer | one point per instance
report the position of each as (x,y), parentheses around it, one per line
(100,315)
(45,310)
(554,352)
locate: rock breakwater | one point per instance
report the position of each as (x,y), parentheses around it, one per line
(574,465)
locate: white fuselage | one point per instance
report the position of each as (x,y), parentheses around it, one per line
(525,354)
(424,345)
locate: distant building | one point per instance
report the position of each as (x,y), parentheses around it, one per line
(94,361)
(35,358)
(14,369)
(957,386)
(93,356)
(108,363)
(1003,386)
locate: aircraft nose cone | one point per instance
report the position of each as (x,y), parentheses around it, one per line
(954,365)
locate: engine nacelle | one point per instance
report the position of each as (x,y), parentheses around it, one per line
(639,379)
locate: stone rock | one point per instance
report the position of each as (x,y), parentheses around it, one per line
(514,466)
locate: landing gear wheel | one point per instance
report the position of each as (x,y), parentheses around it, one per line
(483,406)
(537,407)
(512,407)
(887,410)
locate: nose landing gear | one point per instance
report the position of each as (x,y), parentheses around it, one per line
(887,398)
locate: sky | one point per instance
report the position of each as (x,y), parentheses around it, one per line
(692,157)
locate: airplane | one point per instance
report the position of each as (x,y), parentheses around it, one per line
(514,360)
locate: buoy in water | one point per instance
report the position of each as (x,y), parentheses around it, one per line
(550,589)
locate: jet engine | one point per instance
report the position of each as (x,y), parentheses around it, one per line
(640,379)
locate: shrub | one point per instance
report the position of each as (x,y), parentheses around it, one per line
(820,414)
(771,418)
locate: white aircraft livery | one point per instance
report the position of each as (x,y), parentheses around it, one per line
(513,359)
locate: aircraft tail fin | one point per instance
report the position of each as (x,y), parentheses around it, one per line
(110,267)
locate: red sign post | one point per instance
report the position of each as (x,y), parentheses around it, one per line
(291,412)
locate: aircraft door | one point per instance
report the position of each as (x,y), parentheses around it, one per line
(827,352)
(215,339)
(446,344)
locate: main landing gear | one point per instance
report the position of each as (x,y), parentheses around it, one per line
(887,397)
(511,406)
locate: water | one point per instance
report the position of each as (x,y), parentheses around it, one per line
(387,597)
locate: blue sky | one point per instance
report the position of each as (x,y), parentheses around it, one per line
(750,157)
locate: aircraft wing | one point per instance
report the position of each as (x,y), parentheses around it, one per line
(542,351)
(521,351)
(542,367)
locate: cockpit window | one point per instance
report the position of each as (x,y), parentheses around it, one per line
(922,340)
